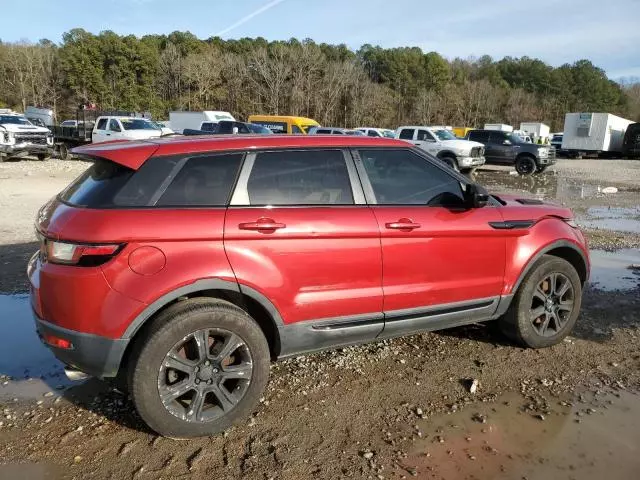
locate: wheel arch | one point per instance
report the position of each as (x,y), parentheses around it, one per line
(561,249)
(446,153)
(254,303)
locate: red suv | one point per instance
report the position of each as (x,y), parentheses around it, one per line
(184,265)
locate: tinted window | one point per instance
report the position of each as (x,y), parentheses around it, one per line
(482,137)
(208,127)
(407,133)
(113,125)
(401,177)
(312,177)
(203,181)
(498,138)
(102,124)
(324,131)
(97,186)
(372,133)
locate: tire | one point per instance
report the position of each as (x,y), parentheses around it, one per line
(206,376)
(451,162)
(541,169)
(42,157)
(525,165)
(519,323)
(63,151)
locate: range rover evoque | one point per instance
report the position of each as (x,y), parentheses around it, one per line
(180,267)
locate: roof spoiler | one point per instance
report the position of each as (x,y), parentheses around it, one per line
(127,153)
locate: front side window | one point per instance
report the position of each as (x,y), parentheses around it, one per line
(425,136)
(300,177)
(138,124)
(113,125)
(102,124)
(203,181)
(498,138)
(402,177)
(407,133)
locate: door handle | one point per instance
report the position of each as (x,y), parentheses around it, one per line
(262,224)
(403,224)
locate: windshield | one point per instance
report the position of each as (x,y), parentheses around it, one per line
(388,133)
(138,124)
(15,119)
(445,135)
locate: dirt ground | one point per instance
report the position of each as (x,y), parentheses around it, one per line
(389,410)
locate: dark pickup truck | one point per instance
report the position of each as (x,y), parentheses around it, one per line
(507,148)
(228,127)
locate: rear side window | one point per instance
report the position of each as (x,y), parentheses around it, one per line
(407,133)
(482,137)
(203,181)
(312,177)
(98,185)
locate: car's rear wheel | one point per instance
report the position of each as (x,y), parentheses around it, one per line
(546,306)
(200,369)
(525,165)
(42,157)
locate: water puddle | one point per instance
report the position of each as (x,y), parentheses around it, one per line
(617,219)
(589,439)
(27,368)
(612,270)
(29,471)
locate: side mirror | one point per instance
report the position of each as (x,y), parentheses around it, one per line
(476,196)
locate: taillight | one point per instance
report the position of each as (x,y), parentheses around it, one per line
(58,342)
(78,254)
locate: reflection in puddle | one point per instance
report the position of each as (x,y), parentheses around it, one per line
(617,219)
(555,439)
(31,366)
(611,270)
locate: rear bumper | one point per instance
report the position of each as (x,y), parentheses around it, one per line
(95,355)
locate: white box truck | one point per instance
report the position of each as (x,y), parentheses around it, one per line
(498,126)
(180,121)
(536,130)
(599,133)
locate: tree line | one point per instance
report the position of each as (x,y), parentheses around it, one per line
(333,84)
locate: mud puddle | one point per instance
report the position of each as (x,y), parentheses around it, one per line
(617,219)
(592,438)
(27,368)
(614,270)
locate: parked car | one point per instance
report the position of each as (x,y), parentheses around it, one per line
(109,128)
(227,127)
(334,131)
(284,124)
(19,137)
(180,267)
(182,120)
(507,148)
(458,154)
(377,132)
(631,143)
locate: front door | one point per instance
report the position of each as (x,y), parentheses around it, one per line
(298,232)
(442,261)
(501,147)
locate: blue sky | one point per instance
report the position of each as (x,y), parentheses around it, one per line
(557,31)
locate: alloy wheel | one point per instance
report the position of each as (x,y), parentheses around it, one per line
(205,375)
(552,304)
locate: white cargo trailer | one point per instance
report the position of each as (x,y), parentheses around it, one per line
(536,129)
(593,133)
(498,126)
(193,120)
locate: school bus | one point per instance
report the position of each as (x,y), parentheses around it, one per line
(284,123)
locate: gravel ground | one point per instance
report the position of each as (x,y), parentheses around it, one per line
(393,409)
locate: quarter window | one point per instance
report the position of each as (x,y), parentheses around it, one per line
(203,181)
(311,177)
(401,177)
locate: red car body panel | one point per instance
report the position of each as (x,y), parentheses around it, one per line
(417,264)
(325,263)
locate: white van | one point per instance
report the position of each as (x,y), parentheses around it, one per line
(181,121)
(109,128)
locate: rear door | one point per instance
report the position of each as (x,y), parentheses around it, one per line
(438,255)
(298,232)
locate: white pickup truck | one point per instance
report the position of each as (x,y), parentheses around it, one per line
(20,138)
(110,128)
(461,155)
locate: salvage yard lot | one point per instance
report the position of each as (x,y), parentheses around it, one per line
(384,410)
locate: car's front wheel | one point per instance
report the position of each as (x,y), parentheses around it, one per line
(525,165)
(546,306)
(203,366)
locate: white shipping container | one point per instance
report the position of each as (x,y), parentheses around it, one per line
(594,132)
(192,120)
(498,126)
(540,130)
